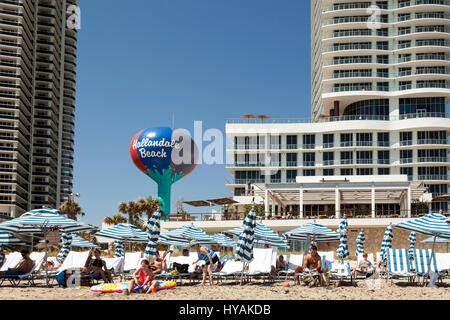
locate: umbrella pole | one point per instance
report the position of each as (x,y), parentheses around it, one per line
(431,258)
(242,274)
(45,258)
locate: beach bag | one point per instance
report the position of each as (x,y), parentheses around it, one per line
(181,268)
(61,279)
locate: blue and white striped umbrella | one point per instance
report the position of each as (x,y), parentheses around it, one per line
(386,243)
(434,224)
(342,250)
(224,241)
(66,239)
(119,248)
(360,240)
(273,243)
(187,233)
(78,241)
(412,243)
(124,231)
(181,242)
(263,233)
(438,240)
(36,221)
(244,249)
(316,232)
(153,231)
(6,238)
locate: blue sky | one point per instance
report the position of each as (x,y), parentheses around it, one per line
(141,62)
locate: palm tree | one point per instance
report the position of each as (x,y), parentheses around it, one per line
(72,209)
(131,209)
(148,205)
(115,219)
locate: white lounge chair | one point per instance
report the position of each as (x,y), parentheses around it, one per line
(370,270)
(131,263)
(231,268)
(443,262)
(328,255)
(38,258)
(399,265)
(341,271)
(421,260)
(115,265)
(261,265)
(11,261)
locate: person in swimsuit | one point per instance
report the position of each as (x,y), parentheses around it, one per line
(143,276)
(25,265)
(364,265)
(210,258)
(312,263)
(98,267)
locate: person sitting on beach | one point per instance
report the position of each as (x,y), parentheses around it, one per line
(160,264)
(210,258)
(312,263)
(280,265)
(25,265)
(98,267)
(143,276)
(363,266)
(185,253)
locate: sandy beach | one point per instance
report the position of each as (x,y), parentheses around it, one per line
(256,290)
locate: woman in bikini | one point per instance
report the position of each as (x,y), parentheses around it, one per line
(98,267)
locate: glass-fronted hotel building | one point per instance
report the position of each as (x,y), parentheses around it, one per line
(377,141)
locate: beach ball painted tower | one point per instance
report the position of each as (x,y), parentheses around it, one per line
(166,156)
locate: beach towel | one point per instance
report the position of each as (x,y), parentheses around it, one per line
(120,287)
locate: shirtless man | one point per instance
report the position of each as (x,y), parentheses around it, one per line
(25,265)
(160,264)
(313,262)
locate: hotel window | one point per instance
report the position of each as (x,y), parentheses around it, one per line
(364,157)
(384,59)
(383,157)
(239,192)
(383,139)
(408,172)
(276,178)
(328,172)
(291,159)
(402,72)
(432,137)
(432,173)
(328,158)
(346,157)
(382,86)
(403,17)
(364,139)
(275,142)
(309,141)
(382,4)
(291,142)
(422,107)
(404,30)
(404,44)
(382,45)
(346,172)
(383,32)
(437,189)
(291,176)
(406,57)
(309,159)
(383,73)
(384,171)
(406,138)
(364,171)
(309,173)
(406,156)
(432,155)
(346,139)
(275,159)
(328,141)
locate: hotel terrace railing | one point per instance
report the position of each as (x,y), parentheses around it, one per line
(238,216)
(341,118)
(365,5)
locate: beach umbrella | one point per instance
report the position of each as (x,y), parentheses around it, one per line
(342,250)
(224,241)
(78,241)
(170,242)
(66,239)
(272,243)
(124,231)
(153,231)
(244,249)
(434,224)
(438,240)
(412,243)
(6,238)
(119,248)
(386,243)
(360,240)
(262,233)
(316,233)
(41,221)
(188,233)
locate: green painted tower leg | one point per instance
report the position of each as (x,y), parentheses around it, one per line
(164,190)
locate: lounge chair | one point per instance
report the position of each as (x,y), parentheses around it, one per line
(421,260)
(341,271)
(328,255)
(261,265)
(115,266)
(370,270)
(294,261)
(38,258)
(399,265)
(131,263)
(11,261)
(73,263)
(443,263)
(231,268)
(179,276)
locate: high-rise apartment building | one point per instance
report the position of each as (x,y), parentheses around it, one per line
(38,56)
(377,141)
